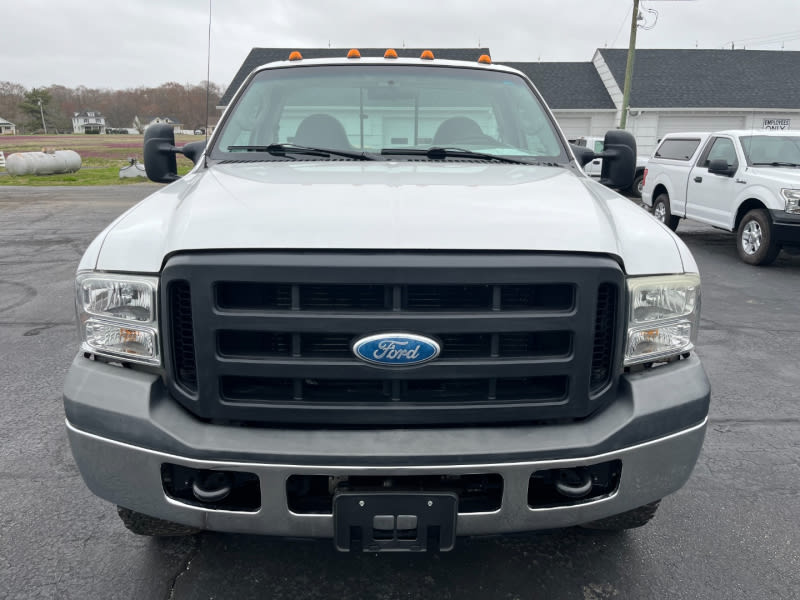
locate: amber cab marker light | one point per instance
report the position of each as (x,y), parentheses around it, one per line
(427,55)
(484,58)
(354,53)
(295,56)
(390,53)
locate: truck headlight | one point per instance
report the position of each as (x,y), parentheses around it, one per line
(117,316)
(792,198)
(664,317)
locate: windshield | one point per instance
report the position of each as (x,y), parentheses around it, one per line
(769,149)
(388,108)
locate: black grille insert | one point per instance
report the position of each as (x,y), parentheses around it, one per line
(555,297)
(449,297)
(254,343)
(243,295)
(343,297)
(183,335)
(533,344)
(603,349)
(347,391)
(254,295)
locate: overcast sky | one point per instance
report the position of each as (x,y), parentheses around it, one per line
(130,43)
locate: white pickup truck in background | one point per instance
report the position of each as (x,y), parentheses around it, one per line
(742,181)
(594,168)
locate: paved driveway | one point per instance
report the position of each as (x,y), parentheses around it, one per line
(732,532)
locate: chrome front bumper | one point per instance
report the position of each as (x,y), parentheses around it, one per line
(130,476)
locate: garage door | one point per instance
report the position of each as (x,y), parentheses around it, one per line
(698,123)
(574,127)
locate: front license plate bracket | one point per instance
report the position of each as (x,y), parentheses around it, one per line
(395,522)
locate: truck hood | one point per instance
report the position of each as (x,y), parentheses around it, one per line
(781,176)
(397,205)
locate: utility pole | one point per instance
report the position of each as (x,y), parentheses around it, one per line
(41,111)
(626,94)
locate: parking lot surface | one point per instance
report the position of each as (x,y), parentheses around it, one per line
(732,532)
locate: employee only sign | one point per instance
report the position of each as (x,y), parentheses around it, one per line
(776,124)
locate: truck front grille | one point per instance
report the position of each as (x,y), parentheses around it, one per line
(267,337)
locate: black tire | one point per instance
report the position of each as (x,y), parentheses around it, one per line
(754,238)
(662,212)
(635,191)
(150,526)
(632,519)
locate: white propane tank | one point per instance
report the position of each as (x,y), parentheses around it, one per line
(43,163)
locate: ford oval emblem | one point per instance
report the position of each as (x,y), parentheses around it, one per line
(396,349)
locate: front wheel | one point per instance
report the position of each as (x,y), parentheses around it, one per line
(662,212)
(635,190)
(754,238)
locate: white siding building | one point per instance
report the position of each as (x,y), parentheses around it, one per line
(141,124)
(703,90)
(7,127)
(88,122)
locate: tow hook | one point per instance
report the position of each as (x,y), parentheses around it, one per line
(212,487)
(574,483)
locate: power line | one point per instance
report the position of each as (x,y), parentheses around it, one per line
(761,37)
(621,25)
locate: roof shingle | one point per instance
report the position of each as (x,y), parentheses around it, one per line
(566,85)
(709,78)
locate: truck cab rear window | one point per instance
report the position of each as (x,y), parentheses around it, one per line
(677,149)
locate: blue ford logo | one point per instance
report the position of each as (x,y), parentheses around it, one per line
(396,349)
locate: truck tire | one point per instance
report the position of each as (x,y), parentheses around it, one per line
(754,238)
(150,526)
(663,213)
(635,191)
(627,520)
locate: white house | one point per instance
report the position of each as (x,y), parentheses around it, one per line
(88,122)
(141,124)
(7,127)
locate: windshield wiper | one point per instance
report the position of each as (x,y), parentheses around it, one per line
(440,152)
(776,164)
(283,149)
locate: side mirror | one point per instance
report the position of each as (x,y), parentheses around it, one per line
(160,150)
(619,159)
(159,154)
(720,166)
(583,154)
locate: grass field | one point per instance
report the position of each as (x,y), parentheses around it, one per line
(102,156)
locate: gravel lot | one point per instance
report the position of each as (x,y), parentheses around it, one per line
(732,532)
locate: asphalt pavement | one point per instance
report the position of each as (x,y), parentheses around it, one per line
(733,531)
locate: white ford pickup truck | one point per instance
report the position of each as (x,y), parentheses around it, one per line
(744,181)
(386,307)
